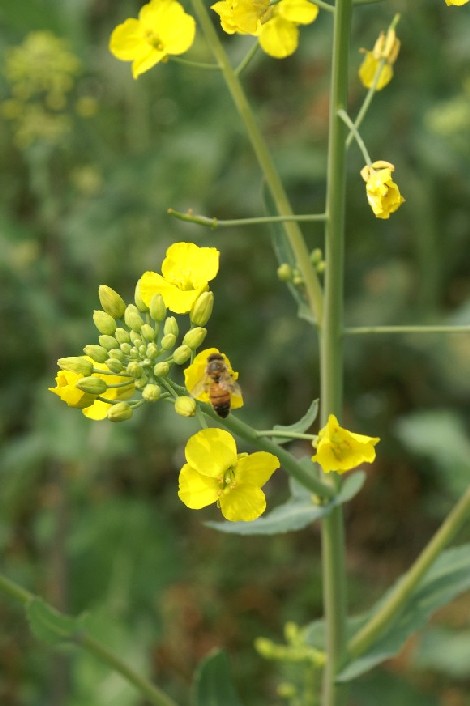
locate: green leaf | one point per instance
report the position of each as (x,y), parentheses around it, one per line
(48,624)
(301,425)
(213,684)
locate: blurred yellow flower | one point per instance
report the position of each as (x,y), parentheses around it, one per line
(457,2)
(385,53)
(383,194)
(186,272)
(340,450)
(162,29)
(214,472)
(195,373)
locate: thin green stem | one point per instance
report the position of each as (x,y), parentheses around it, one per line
(195,64)
(333,554)
(294,235)
(286,434)
(364,330)
(324,6)
(216,223)
(247,58)
(398,598)
(154,695)
(360,142)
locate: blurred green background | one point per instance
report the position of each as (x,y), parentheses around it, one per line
(89,516)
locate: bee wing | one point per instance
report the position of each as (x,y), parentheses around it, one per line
(200,387)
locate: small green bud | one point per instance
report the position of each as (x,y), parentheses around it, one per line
(202,309)
(117,354)
(142,350)
(119,412)
(161,369)
(147,332)
(181,354)
(125,348)
(132,318)
(77,364)
(194,337)
(316,256)
(134,353)
(104,322)
(170,326)
(108,342)
(321,267)
(135,338)
(92,385)
(140,383)
(111,301)
(152,351)
(298,279)
(121,335)
(157,308)
(151,392)
(284,272)
(140,304)
(134,369)
(98,353)
(185,406)
(168,341)
(114,365)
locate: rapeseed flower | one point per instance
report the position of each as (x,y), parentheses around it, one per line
(385,52)
(162,29)
(197,385)
(457,2)
(215,473)
(340,450)
(276,26)
(186,273)
(383,194)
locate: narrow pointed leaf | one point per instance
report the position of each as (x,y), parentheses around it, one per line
(213,685)
(48,624)
(301,425)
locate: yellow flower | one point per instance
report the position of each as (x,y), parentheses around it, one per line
(382,193)
(195,373)
(91,407)
(457,2)
(385,52)
(163,28)
(340,450)
(275,25)
(186,272)
(214,472)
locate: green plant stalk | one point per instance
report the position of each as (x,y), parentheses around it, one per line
(214,223)
(355,133)
(333,549)
(152,693)
(365,637)
(294,235)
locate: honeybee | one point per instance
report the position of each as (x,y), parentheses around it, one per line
(219,385)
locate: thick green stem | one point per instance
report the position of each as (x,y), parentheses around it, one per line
(334,574)
(381,620)
(294,235)
(154,695)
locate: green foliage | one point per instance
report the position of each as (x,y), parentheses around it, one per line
(212,684)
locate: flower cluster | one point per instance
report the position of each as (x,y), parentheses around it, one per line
(383,194)
(341,450)
(380,61)
(138,343)
(276,26)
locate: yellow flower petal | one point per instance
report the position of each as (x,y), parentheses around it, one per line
(257,468)
(340,450)
(68,393)
(126,40)
(211,452)
(189,266)
(97,411)
(279,38)
(243,503)
(195,490)
(383,194)
(368,69)
(457,2)
(300,12)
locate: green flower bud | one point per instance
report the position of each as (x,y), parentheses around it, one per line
(142,350)
(202,309)
(119,412)
(111,301)
(121,335)
(108,342)
(114,365)
(170,326)
(284,272)
(161,369)
(134,369)
(133,353)
(141,305)
(117,354)
(151,392)
(185,406)
(125,348)
(92,385)
(140,383)
(104,322)
(135,338)
(98,353)
(132,318)
(321,267)
(316,256)
(181,354)
(194,337)
(147,332)
(298,280)
(157,308)
(152,351)
(168,341)
(77,364)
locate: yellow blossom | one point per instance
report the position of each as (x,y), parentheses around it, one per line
(340,450)
(186,272)
(385,53)
(195,374)
(215,473)
(383,194)
(275,25)
(457,2)
(162,29)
